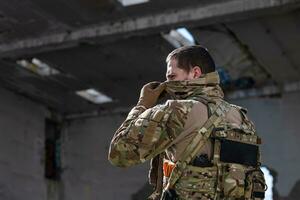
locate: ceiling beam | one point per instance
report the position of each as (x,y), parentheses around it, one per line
(201,15)
(269,90)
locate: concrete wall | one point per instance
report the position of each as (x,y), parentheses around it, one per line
(87,173)
(277,121)
(21,148)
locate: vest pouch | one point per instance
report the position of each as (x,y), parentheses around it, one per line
(255,184)
(197,183)
(234,180)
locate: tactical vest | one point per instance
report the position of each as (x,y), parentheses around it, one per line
(234,172)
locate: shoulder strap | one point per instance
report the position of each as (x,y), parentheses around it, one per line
(198,142)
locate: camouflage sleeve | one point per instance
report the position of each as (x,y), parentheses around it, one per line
(146,132)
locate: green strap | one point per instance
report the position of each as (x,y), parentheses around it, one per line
(198,142)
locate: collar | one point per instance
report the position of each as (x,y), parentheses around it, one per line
(207,86)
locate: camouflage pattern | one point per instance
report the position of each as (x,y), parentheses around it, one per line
(195,187)
(204,87)
(147,133)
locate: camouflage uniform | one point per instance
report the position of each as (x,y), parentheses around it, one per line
(169,129)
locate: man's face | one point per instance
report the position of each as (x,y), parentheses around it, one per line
(175,73)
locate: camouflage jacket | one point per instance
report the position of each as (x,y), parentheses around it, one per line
(172,126)
(166,127)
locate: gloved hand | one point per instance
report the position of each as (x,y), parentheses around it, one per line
(150,93)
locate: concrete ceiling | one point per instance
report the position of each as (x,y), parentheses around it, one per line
(116,49)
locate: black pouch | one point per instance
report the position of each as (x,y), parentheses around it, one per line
(236,152)
(202,161)
(169,194)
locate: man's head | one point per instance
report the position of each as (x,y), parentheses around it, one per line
(188,62)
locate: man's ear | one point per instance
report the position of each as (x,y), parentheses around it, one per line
(197,72)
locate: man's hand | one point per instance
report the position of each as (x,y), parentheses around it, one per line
(150,93)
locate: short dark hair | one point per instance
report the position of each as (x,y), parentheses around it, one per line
(190,56)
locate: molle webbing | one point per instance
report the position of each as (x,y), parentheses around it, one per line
(198,179)
(236,145)
(234,135)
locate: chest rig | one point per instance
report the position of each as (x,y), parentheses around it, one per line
(233,172)
(234,169)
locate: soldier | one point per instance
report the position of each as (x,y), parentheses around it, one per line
(200,146)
